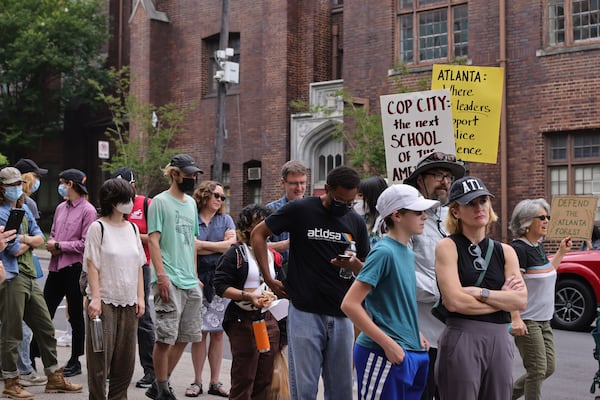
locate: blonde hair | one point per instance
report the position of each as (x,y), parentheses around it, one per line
(454,226)
(167,171)
(28,181)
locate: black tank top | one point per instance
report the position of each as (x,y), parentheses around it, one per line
(468,275)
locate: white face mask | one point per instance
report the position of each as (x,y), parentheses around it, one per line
(359,207)
(125,208)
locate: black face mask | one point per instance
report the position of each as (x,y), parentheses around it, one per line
(338,209)
(187,185)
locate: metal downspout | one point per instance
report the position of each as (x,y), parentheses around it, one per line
(503,121)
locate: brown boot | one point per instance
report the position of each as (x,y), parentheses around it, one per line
(13,390)
(58,384)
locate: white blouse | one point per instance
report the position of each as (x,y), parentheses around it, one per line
(118,256)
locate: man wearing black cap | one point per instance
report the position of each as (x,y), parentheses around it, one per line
(432,177)
(31,174)
(145,331)
(172,231)
(66,244)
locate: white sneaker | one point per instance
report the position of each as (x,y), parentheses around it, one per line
(32,379)
(64,340)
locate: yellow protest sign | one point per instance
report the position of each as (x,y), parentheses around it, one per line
(572,216)
(476,94)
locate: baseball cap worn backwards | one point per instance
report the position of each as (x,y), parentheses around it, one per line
(124,173)
(398,197)
(10,175)
(76,176)
(466,189)
(26,165)
(185,163)
(437,160)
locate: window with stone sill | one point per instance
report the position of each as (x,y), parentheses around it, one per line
(572,22)
(432,30)
(573,160)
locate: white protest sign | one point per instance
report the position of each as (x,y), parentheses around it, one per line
(414,125)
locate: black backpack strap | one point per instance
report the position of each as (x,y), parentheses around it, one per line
(101,230)
(146,209)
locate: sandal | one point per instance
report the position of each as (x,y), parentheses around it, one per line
(194,390)
(217,390)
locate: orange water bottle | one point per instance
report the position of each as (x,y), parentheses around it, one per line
(261,336)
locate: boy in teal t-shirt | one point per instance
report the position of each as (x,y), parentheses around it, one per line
(390,354)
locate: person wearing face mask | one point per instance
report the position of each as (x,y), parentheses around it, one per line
(320,336)
(31,175)
(432,177)
(66,243)
(21,299)
(145,329)
(369,191)
(172,231)
(113,259)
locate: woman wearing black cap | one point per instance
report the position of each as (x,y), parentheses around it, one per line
(480,284)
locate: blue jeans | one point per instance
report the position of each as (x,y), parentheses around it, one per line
(319,345)
(23,361)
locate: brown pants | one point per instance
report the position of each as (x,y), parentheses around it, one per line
(251,371)
(117,361)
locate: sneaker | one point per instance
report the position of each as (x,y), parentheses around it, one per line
(65,340)
(152,391)
(146,381)
(58,384)
(169,395)
(32,379)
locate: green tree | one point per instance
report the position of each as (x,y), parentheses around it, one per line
(48,51)
(150,151)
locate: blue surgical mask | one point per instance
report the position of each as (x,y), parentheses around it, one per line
(12,193)
(63,191)
(36,186)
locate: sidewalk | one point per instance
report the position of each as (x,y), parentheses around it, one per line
(180,379)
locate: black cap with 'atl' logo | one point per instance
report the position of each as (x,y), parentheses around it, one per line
(466,189)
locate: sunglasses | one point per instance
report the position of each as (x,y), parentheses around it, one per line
(439,156)
(478,262)
(542,217)
(219,196)
(438,176)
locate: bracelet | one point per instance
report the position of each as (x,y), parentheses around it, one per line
(243,295)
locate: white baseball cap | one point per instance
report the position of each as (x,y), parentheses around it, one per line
(401,196)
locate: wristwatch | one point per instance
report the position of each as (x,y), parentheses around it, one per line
(484,295)
(57,245)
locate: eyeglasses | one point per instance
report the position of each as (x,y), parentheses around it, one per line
(478,262)
(542,217)
(348,204)
(438,176)
(439,156)
(219,196)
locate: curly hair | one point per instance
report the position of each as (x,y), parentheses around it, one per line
(250,216)
(204,192)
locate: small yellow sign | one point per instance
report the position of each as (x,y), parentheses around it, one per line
(572,216)
(476,94)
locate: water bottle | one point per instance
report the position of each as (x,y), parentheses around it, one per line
(261,336)
(96,333)
(346,273)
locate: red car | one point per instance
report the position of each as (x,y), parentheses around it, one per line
(577,291)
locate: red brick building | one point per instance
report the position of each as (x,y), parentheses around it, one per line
(550,134)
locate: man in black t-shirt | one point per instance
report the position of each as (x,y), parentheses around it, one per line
(320,337)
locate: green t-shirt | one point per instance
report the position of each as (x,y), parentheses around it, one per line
(177,223)
(25,260)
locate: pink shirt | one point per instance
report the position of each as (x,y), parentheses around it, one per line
(69,227)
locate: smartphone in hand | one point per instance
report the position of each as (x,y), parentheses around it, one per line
(14,220)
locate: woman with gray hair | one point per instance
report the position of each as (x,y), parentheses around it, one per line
(531,328)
